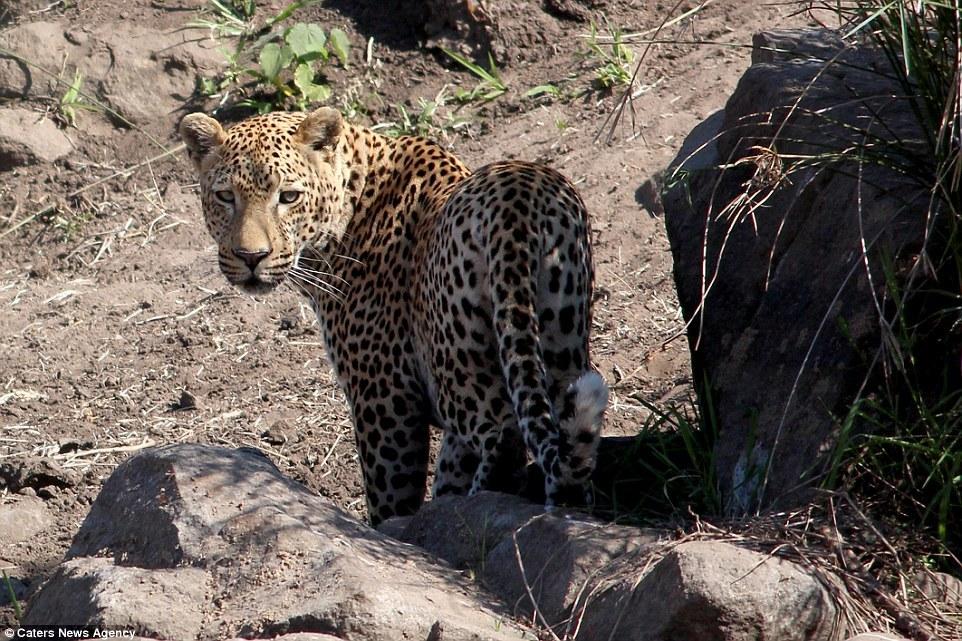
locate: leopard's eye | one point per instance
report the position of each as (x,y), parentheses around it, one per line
(224,195)
(289,197)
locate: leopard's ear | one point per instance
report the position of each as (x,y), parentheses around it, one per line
(320,129)
(201,134)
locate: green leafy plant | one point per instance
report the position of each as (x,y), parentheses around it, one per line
(613,59)
(73,100)
(290,66)
(271,68)
(490,85)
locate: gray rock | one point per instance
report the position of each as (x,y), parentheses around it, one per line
(560,560)
(589,580)
(709,590)
(161,603)
(787,305)
(12,584)
(36,45)
(463,530)
(28,138)
(876,636)
(941,587)
(265,557)
(113,59)
(23,519)
(488,532)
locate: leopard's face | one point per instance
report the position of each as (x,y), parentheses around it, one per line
(268,190)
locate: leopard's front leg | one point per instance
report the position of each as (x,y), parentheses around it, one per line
(392,435)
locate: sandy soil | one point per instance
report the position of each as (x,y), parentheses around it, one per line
(119,333)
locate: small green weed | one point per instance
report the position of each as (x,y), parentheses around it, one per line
(235,18)
(428,121)
(73,100)
(562,90)
(12,594)
(613,59)
(66,222)
(231,18)
(490,86)
(670,470)
(553,91)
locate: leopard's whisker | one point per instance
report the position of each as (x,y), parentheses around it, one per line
(311,279)
(350,258)
(298,274)
(319,273)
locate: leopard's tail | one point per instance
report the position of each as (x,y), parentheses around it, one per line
(581,416)
(534,263)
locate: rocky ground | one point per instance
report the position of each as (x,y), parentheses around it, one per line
(118,331)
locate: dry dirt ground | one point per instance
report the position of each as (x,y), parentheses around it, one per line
(116,329)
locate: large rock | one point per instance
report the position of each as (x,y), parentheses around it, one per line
(114,61)
(769,267)
(29,138)
(589,580)
(198,542)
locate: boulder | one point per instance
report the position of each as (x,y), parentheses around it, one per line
(200,542)
(591,580)
(770,268)
(29,138)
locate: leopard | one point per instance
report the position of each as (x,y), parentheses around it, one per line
(446,298)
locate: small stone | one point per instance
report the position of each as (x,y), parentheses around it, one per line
(76,36)
(35,474)
(278,433)
(648,196)
(187,401)
(40,268)
(49,492)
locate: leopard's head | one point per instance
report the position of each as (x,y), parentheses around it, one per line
(270,187)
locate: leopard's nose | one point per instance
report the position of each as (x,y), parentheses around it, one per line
(251,257)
